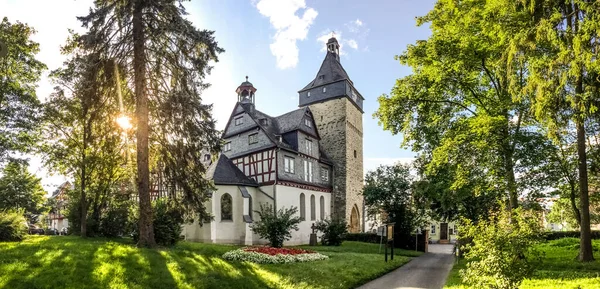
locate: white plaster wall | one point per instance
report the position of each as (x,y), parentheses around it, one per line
(435,237)
(289,196)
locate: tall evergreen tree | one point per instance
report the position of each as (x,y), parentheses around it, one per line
(166,59)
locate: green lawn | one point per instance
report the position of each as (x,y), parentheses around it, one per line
(71,262)
(559,269)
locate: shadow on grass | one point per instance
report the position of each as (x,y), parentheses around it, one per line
(72,262)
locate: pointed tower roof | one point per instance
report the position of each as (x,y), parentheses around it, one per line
(331,69)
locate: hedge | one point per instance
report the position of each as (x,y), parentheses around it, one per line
(363,237)
(567,234)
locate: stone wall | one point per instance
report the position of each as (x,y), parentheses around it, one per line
(340,127)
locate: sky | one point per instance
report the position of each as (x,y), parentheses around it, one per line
(278,44)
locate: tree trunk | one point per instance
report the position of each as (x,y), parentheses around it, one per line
(573,199)
(141,110)
(509,166)
(585,246)
(83,201)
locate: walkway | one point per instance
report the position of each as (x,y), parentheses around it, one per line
(430,270)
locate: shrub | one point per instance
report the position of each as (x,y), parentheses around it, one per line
(363,237)
(333,230)
(13,226)
(270,255)
(276,227)
(502,252)
(114,222)
(166,220)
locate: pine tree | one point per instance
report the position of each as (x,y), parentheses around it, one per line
(166,58)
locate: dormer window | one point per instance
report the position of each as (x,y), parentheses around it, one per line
(253,138)
(308,94)
(307,122)
(322,76)
(227,147)
(239,120)
(324,89)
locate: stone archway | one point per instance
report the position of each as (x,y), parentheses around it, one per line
(354,220)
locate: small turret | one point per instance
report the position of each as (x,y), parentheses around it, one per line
(246,92)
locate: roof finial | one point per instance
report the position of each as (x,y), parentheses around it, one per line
(332,34)
(246,77)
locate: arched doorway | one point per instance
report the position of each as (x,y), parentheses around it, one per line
(354,220)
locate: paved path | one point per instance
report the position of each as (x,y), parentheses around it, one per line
(430,270)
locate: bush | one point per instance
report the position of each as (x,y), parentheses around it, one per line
(276,227)
(13,226)
(567,234)
(115,221)
(502,252)
(363,237)
(333,230)
(166,220)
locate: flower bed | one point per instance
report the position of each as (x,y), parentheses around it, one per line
(270,255)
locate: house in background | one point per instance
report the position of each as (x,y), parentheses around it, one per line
(443,232)
(56,219)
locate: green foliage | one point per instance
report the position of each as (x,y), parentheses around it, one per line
(334,231)
(562,213)
(13,226)
(363,237)
(19,105)
(20,189)
(568,234)
(388,189)
(276,226)
(558,268)
(167,220)
(502,252)
(116,220)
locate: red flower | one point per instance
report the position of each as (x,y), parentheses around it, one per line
(275,251)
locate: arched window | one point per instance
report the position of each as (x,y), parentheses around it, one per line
(313,209)
(322,201)
(250,207)
(226,208)
(302,207)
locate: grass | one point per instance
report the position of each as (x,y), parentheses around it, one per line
(72,262)
(558,269)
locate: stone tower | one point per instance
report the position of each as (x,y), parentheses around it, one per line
(337,109)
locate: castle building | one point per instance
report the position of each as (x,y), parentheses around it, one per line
(310,158)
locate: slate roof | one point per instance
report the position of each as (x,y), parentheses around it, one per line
(332,71)
(224,172)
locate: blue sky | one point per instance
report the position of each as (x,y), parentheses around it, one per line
(278,44)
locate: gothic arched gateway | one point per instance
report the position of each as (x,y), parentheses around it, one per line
(355,220)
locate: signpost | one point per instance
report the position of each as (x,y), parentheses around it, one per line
(389,234)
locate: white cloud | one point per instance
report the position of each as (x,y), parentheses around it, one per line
(290,27)
(352,43)
(358,22)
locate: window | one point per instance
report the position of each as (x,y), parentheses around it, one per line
(250,207)
(456,229)
(324,89)
(451,233)
(302,207)
(307,122)
(354,153)
(322,76)
(308,147)
(226,208)
(433,229)
(253,138)
(227,147)
(308,171)
(308,94)
(289,164)
(239,120)
(322,203)
(313,210)
(206,157)
(324,174)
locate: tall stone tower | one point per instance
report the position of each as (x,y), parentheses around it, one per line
(337,108)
